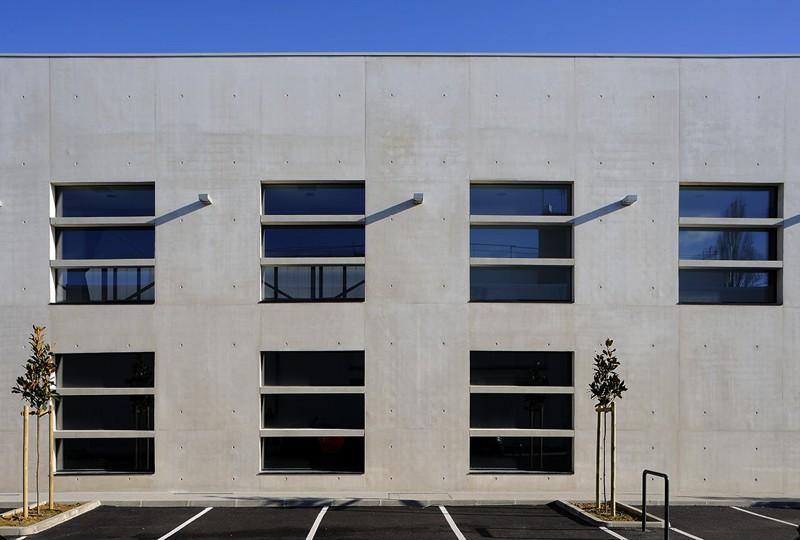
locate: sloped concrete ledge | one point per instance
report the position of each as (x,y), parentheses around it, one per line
(13,532)
(654,522)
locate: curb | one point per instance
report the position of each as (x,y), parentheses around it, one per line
(652,521)
(49,522)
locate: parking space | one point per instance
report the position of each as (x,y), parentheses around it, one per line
(384,522)
(519,522)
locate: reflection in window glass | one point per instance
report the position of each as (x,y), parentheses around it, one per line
(105,370)
(728,244)
(313,283)
(318,411)
(313,454)
(520,199)
(521,284)
(314,241)
(520,242)
(728,286)
(112,412)
(105,285)
(105,455)
(313,368)
(106,243)
(520,368)
(521,411)
(314,199)
(103,201)
(729,201)
(521,454)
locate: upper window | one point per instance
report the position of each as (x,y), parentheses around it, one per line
(105,243)
(314,241)
(730,244)
(105,370)
(729,201)
(312,368)
(521,199)
(314,199)
(520,368)
(104,201)
(536,241)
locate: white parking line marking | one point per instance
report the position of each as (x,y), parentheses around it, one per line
(765,517)
(612,533)
(315,526)
(684,533)
(452,523)
(185,523)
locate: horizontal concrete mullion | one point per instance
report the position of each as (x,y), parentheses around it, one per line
(131,221)
(312,261)
(699,222)
(95,263)
(312,390)
(309,432)
(510,261)
(104,434)
(521,220)
(312,219)
(485,389)
(485,432)
(686,264)
(106,391)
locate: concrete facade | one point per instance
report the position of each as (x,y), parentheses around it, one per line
(714,394)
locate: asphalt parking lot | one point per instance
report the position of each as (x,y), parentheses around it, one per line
(519,522)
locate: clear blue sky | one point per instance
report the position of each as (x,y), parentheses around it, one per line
(613,26)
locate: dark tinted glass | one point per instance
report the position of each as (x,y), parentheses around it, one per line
(105,285)
(105,412)
(530,242)
(521,454)
(522,411)
(314,241)
(313,454)
(729,202)
(314,199)
(520,368)
(101,201)
(106,243)
(313,368)
(105,370)
(521,283)
(728,244)
(520,200)
(308,283)
(106,455)
(320,411)
(728,286)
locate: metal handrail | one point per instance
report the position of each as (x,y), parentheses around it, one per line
(666,499)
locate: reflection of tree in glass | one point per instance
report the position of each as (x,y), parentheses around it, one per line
(737,245)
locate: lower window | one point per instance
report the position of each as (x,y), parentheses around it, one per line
(105,285)
(102,456)
(111,412)
(313,283)
(521,284)
(313,411)
(521,454)
(728,286)
(520,411)
(312,454)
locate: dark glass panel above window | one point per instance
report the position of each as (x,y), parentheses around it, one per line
(729,201)
(314,199)
(521,284)
(313,283)
(520,368)
(728,244)
(521,199)
(521,411)
(105,370)
(106,243)
(313,454)
(129,285)
(318,411)
(314,241)
(520,454)
(112,412)
(520,241)
(313,368)
(728,286)
(105,201)
(100,456)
